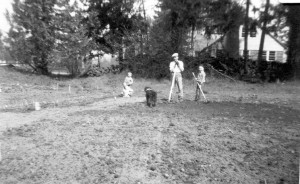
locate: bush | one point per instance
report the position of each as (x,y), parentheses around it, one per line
(96,71)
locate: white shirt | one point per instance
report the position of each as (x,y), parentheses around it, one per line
(175,68)
(201,77)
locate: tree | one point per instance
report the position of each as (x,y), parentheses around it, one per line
(108,22)
(72,46)
(262,39)
(4,52)
(226,16)
(175,23)
(31,36)
(246,27)
(293,19)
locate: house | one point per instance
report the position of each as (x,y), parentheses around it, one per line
(273,50)
(104,60)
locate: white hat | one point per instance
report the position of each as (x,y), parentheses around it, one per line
(175,55)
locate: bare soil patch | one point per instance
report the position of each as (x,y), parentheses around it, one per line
(90,137)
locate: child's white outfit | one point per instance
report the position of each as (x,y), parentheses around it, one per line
(127,90)
(200,80)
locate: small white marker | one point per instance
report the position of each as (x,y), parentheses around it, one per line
(37,106)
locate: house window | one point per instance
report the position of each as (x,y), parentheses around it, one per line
(264,55)
(272,56)
(279,56)
(252,33)
(243,32)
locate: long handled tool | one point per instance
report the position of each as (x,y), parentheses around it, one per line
(199,87)
(172,86)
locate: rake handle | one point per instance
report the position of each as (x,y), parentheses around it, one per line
(199,86)
(173,81)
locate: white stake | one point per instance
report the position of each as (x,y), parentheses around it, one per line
(37,106)
(0,153)
(69,88)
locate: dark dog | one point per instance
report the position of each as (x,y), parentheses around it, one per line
(151,97)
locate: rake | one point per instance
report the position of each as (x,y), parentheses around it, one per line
(199,87)
(172,86)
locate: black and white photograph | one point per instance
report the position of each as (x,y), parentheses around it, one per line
(149,91)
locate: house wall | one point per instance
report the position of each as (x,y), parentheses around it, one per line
(201,41)
(106,60)
(270,45)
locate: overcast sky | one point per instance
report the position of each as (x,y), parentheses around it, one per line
(150,5)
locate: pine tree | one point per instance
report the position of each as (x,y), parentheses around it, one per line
(31,36)
(72,46)
(108,22)
(293,19)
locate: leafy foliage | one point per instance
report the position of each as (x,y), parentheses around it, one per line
(72,45)
(31,36)
(108,21)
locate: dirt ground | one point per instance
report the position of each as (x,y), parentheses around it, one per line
(88,136)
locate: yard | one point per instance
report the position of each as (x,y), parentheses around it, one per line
(248,133)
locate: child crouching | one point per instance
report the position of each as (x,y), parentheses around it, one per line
(127,90)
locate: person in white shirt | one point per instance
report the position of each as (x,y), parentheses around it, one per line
(127,90)
(176,67)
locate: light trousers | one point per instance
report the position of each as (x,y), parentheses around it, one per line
(178,83)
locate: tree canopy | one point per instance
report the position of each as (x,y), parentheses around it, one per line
(66,32)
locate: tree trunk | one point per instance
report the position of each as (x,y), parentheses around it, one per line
(262,38)
(231,43)
(192,40)
(259,65)
(246,26)
(293,65)
(141,43)
(144,11)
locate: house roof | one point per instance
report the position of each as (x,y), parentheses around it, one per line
(284,46)
(217,40)
(273,37)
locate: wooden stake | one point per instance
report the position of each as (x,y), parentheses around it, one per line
(0,153)
(173,81)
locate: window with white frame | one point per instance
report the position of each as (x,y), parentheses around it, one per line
(243,32)
(272,55)
(253,33)
(264,55)
(279,56)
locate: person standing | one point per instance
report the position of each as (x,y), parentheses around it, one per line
(200,81)
(176,67)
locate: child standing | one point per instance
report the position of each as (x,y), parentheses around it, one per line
(127,90)
(200,80)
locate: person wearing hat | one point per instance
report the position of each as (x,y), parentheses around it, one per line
(176,67)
